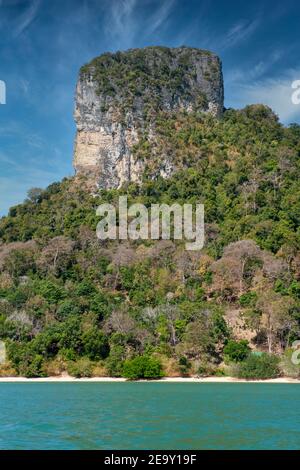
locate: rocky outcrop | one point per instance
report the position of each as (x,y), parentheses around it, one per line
(120,95)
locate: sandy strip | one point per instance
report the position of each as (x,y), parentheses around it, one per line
(67,378)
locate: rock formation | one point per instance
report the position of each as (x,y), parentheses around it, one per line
(120,95)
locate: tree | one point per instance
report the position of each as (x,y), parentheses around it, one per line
(276,318)
(63,295)
(204,336)
(80,368)
(142,367)
(263,366)
(56,256)
(18,258)
(124,256)
(237,351)
(34,194)
(231,270)
(120,322)
(171,313)
(95,344)
(249,191)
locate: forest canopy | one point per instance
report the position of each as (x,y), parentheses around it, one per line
(70,302)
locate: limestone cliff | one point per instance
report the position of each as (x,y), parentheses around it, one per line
(119,96)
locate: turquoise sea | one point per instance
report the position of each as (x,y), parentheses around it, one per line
(149,416)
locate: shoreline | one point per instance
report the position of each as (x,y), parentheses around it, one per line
(67,378)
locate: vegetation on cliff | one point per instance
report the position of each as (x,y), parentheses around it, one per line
(70,302)
(145,79)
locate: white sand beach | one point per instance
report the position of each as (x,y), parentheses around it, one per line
(67,378)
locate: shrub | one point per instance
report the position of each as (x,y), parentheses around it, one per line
(25,360)
(219,372)
(288,368)
(95,344)
(264,366)
(81,368)
(207,369)
(203,371)
(54,367)
(236,351)
(32,367)
(184,365)
(6,370)
(85,288)
(171,366)
(99,370)
(248,299)
(66,308)
(115,360)
(66,354)
(142,367)
(50,291)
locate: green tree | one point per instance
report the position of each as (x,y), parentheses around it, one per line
(264,366)
(95,344)
(237,351)
(142,367)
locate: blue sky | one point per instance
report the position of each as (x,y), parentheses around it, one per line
(44,43)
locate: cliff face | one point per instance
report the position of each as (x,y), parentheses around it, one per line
(119,97)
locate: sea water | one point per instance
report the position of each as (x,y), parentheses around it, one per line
(149,416)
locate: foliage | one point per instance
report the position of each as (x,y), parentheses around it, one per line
(237,351)
(25,360)
(248,299)
(66,297)
(288,368)
(6,370)
(95,344)
(259,367)
(142,367)
(81,368)
(206,369)
(135,76)
(184,365)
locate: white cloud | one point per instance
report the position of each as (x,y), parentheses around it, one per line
(22,133)
(252,71)
(126,24)
(24,86)
(121,24)
(239,32)
(24,21)
(274,92)
(160,16)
